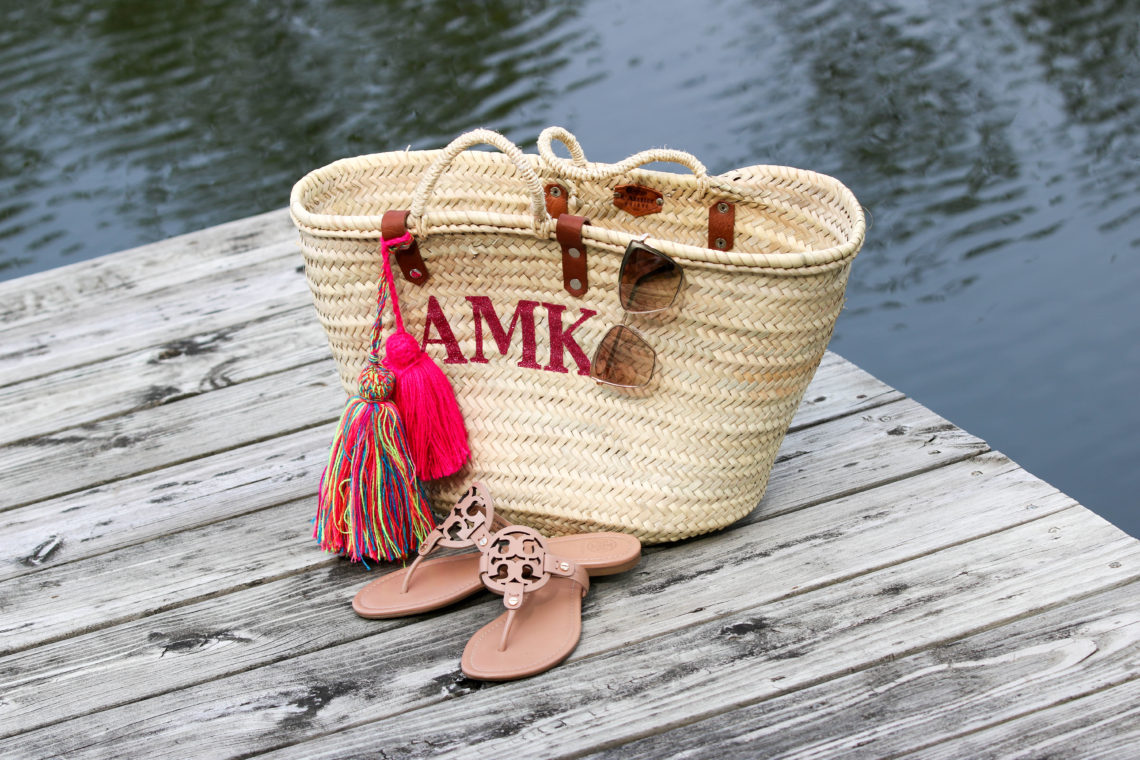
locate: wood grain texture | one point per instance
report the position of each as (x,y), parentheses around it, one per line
(1104,724)
(859,531)
(162,502)
(643,664)
(262,282)
(1004,692)
(157,375)
(107,279)
(611,693)
(90,521)
(102,452)
(204,362)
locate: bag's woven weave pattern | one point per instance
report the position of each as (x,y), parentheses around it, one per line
(689,454)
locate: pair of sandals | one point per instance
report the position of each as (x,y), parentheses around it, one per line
(542,582)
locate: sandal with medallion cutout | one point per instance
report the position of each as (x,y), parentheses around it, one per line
(430,583)
(543,596)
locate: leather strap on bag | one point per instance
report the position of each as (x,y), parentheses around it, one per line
(569,234)
(722,225)
(557,200)
(393,225)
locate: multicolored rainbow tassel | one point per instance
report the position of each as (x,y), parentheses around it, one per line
(369,503)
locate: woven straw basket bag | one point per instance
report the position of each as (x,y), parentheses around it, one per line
(512,317)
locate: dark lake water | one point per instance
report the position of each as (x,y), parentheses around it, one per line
(995,145)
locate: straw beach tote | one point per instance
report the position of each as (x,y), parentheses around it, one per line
(511,283)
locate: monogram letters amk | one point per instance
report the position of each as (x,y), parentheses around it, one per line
(486,320)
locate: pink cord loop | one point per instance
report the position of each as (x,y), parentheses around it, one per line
(387,289)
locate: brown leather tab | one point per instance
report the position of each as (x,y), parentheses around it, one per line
(722,225)
(392,225)
(638,200)
(569,234)
(557,200)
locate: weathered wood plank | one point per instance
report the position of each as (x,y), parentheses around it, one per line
(840,388)
(157,375)
(958,700)
(101,452)
(838,451)
(202,362)
(67,678)
(161,502)
(267,281)
(747,653)
(158,265)
(213,488)
(82,599)
(1104,724)
(169,571)
(136,509)
(639,665)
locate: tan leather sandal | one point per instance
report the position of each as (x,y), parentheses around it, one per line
(543,596)
(430,583)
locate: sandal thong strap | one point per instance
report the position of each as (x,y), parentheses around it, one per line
(516,562)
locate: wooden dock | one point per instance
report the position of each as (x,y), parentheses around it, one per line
(901,590)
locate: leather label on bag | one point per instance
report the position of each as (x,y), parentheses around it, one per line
(638,200)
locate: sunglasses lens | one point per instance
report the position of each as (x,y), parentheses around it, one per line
(623,358)
(649,280)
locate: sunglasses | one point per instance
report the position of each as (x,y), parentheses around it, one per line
(648,282)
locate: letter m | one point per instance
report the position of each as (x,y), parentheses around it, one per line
(483,313)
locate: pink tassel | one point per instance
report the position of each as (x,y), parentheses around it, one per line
(437,436)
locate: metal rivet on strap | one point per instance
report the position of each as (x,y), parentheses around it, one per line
(513,601)
(556,191)
(660,201)
(574,253)
(721,243)
(483,541)
(576,284)
(722,207)
(563,565)
(415,274)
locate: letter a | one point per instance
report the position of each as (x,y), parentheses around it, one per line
(436,319)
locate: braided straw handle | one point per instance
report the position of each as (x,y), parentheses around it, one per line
(423,192)
(577,167)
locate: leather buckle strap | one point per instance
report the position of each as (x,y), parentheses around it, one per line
(568,230)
